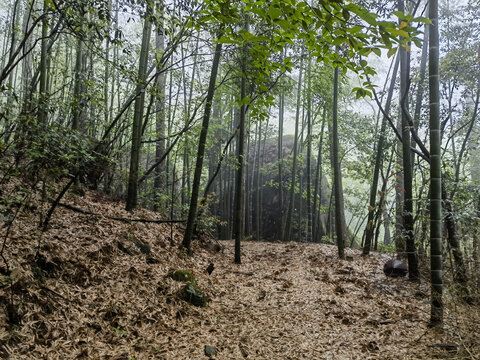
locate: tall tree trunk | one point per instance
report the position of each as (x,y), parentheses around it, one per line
(420,90)
(399,199)
(291,202)
(186,183)
(281,109)
(239,215)
(318,229)
(192,211)
(460,274)
(436,314)
(79,113)
(22,131)
(42,106)
(407,165)
(258,214)
(463,148)
(106,76)
(476,247)
(160,83)
(378,164)
(27,63)
(337,174)
(138,114)
(12,76)
(261,181)
(382,212)
(387,239)
(309,154)
(248,181)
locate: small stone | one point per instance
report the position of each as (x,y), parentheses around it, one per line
(194,295)
(144,248)
(210,269)
(210,351)
(395,268)
(183,275)
(152,260)
(243,351)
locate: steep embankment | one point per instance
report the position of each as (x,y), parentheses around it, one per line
(99,290)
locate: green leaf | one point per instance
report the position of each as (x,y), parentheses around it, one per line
(399,14)
(418,42)
(259,11)
(401,33)
(363,14)
(247,35)
(422,20)
(225,40)
(391,52)
(50,5)
(387,24)
(338,40)
(361,92)
(318,12)
(274,13)
(354,30)
(284,24)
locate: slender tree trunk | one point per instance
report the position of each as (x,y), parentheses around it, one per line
(258,213)
(192,212)
(186,182)
(291,203)
(382,203)
(399,198)
(281,109)
(337,174)
(10,37)
(239,217)
(407,165)
(106,78)
(12,76)
(420,91)
(138,115)
(309,154)
(463,148)
(79,114)
(22,132)
(378,164)
(248,182)
(160,83)
(27,63)
(436,314)
(318,229)
(42,108)
(261,181)
(476,247)
(460,274)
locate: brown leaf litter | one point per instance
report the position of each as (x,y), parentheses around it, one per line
(98,290)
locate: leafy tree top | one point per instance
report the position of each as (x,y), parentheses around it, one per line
(335,32)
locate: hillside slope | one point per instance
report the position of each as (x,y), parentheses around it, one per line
(98,289)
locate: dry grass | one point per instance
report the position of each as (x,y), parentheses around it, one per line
(92,294)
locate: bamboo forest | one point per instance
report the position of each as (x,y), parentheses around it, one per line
(249,179)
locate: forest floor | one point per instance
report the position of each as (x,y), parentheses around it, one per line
(94,292)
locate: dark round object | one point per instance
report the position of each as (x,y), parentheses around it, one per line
(395,268)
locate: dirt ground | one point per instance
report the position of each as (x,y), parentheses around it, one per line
(92,292)
(298,301)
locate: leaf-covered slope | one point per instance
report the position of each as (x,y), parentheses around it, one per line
(99,290)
